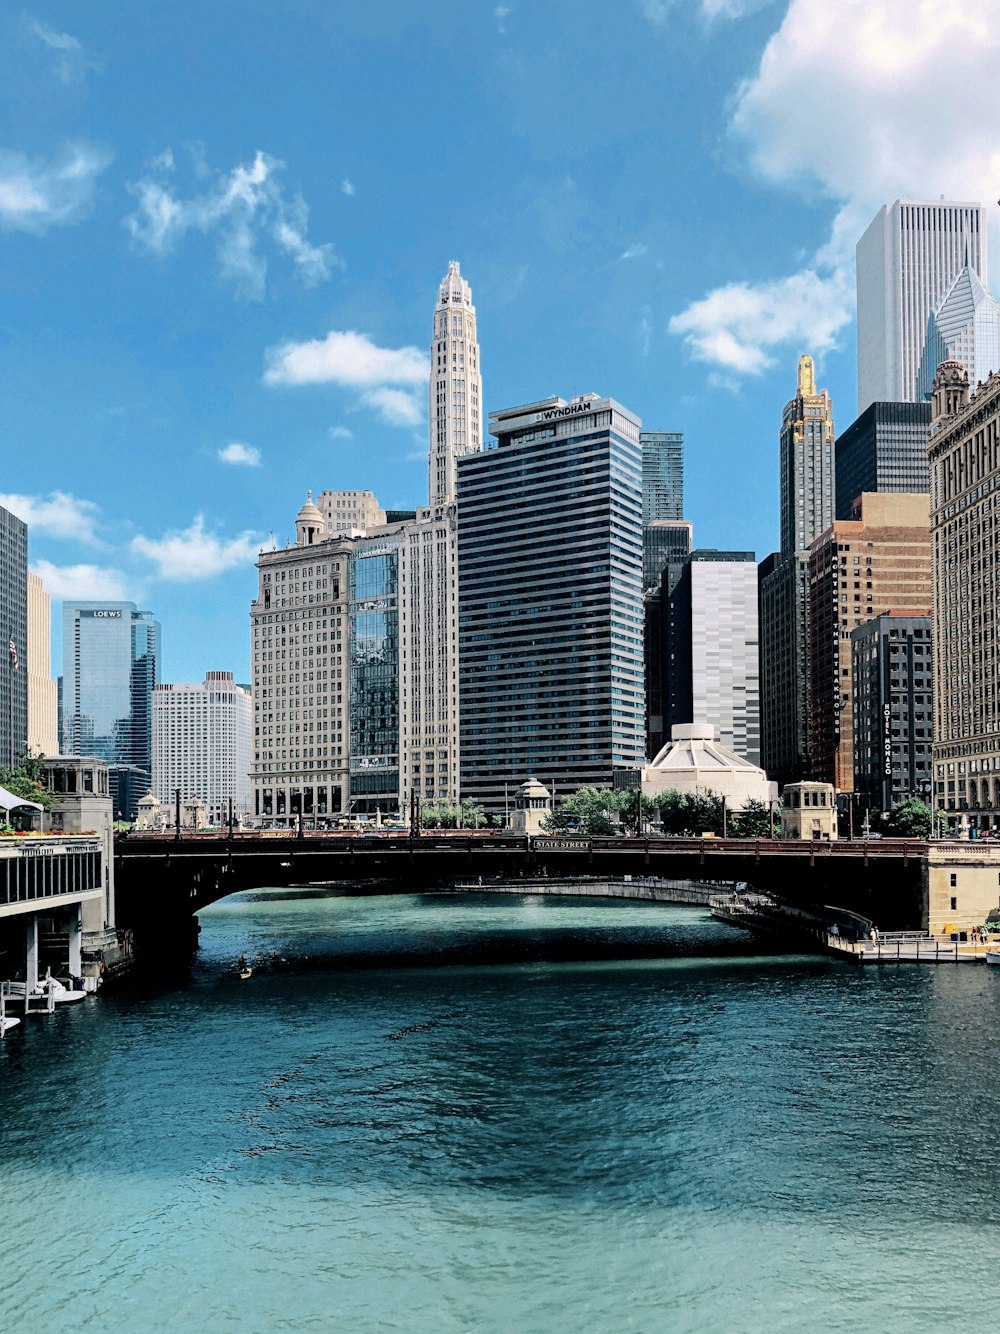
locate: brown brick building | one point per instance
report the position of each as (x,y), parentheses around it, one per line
(857,570)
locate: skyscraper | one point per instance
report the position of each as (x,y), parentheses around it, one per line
(892,684)
(43,701)
(428,557)
(858,570)
(885,449)
(807,506)
(965,491)
(964,326)
(550,599)
(14,627)
(906,261)
(301,678)
(111,654)
(456,388)
(714,649)
(201,745)
(662,475)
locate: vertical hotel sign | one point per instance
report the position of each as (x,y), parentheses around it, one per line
(886,741)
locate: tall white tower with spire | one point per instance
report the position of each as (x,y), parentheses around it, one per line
(456,387)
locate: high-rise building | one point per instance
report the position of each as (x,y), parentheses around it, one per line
(892,686)
(857,571)
(714,649)
(111,655)
(550,599)
(806,510)
(374,684)
(885,449)
(964,450)
(14,625)
(43,702)
(670,542)
(664,542)
(201,745)
(908,258)
(662,475)
(456,388)
(301,678)
(965,327)
(428,557)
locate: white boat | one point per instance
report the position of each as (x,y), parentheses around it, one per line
(61,995)
(7,1021)
(993,956)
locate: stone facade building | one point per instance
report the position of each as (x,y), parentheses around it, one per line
(964,454)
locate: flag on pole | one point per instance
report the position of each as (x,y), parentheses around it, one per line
(12,655)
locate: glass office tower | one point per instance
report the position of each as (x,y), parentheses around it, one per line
(550,599)
(14,627)
(111,654)
(373,616)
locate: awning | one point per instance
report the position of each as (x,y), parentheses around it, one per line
(8,801)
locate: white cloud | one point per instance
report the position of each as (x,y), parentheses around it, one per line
(736,326)
(347,187)
(71,63)
(657,11)
(194,554)
(634,251)
(864,130)
(502,13)
(345,358)
(391,380)
(57,514)
(340,433)
(242,208)
(36,194)
(398,407)
(246,455)
(84,583)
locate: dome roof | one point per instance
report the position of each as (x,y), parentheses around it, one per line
(309,513)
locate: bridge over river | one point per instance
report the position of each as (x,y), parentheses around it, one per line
(161,881)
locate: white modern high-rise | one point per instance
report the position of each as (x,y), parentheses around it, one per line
(201,745)
(908,258)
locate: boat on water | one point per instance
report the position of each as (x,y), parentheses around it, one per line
(993,957)
(47,987)
(60,993)
(7,1021)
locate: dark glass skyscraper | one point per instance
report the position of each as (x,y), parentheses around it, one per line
(884,450)
(111,656)
(14,627)
(550,599)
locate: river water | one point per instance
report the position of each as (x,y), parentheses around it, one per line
(504,1114)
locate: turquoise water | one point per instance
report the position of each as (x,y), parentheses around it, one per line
(504,1114)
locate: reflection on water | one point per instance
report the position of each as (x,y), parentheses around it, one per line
(494,1114)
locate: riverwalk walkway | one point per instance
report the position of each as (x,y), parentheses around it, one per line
(911,947)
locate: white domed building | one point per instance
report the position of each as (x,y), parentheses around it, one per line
(694,763)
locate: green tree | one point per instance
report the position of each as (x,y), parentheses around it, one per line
(910,818)
(27,780)
(595,811)
(690,813)
(471,814)
(754,820)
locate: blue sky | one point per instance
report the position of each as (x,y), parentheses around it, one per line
(653,200)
